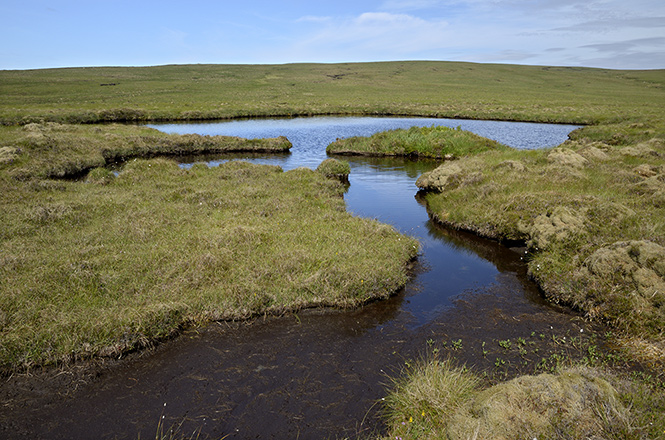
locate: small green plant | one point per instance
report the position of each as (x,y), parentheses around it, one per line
(485,352)
(505,344)
(457,345)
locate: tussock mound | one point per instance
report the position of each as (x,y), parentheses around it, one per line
(8,154)
(627,277)
(513,165)
(540,406)
(560,224)
(566,158)
(444,177)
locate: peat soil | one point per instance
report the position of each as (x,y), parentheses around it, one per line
(314,374)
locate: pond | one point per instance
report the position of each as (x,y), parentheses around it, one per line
(322,373)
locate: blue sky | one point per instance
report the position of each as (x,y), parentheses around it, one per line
(617,34)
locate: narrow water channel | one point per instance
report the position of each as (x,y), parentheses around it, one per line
(321,373)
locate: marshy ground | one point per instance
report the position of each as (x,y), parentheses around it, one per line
(591,211)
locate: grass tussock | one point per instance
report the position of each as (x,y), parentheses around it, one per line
(436,400)
(338,169)
(437,142)
(592,214)
(109,264)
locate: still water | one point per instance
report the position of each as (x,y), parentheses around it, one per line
(319,373)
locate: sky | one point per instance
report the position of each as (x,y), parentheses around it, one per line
(615,34)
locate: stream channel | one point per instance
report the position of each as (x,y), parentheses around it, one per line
(321,373)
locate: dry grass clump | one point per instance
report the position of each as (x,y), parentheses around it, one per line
(426,398)
(436,400)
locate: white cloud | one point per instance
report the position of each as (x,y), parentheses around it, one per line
(622,47)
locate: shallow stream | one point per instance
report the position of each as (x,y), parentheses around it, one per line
(322,373)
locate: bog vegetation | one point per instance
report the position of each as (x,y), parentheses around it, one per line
(428,142)
(114,262)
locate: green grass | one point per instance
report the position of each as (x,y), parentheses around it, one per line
(432,88)
(429,142)
(592,214)
(111,264)
(335,168)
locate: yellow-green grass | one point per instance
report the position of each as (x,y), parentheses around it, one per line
(111,264)
(433,88)
(430,142)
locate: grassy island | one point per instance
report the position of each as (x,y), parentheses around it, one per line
(437,142)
